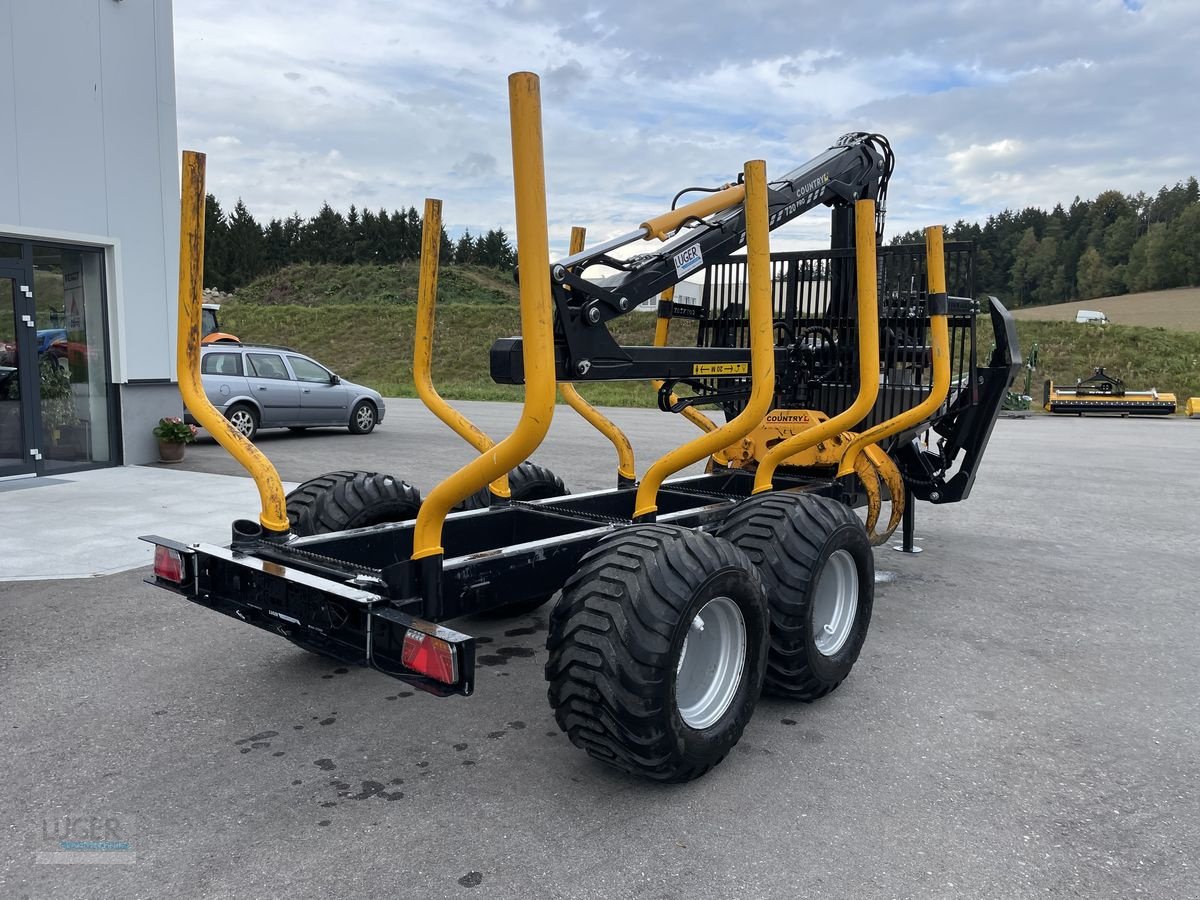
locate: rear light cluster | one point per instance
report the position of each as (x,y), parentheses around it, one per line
(168,564)
(430,656)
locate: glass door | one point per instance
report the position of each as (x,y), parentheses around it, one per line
(75,414)
(18,375)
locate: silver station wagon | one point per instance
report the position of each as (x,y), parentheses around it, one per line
(260,386)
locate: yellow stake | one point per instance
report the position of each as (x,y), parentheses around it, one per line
(537,324)
(868,355)
(762,351)
(431,246)
(935,265)
(191,297)
(625,468)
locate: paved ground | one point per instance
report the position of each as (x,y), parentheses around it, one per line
(415,446)
(1024,721)
(84,524)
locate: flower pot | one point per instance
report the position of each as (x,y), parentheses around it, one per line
(170,451)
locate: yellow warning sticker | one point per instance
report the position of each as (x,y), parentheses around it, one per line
(740,368)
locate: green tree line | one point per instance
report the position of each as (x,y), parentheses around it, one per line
(1114,244)
(237,249)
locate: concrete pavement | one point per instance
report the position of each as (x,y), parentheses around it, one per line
(86,523)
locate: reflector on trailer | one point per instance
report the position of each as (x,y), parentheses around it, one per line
(430,656)
(168,564)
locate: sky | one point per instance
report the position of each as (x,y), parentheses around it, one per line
(382,103)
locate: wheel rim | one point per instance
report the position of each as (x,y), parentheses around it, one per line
(364,417)
(835,604)
(710,663)
(243,422)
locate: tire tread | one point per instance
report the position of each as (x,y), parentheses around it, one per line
(610,643)
(783,535)
(337,501)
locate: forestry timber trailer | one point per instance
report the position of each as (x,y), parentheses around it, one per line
(675,602)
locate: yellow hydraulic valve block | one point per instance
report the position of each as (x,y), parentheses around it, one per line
(872,466)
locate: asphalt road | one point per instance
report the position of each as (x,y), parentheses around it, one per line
(1024,720)
(413,445)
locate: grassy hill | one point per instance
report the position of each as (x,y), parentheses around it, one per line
(322,285)
(360,319)
(1178,308)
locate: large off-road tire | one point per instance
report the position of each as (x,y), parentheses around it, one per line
(528,481)
(657,645)
(819,572)
(342,500)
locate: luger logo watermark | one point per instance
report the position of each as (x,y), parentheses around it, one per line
(85,840)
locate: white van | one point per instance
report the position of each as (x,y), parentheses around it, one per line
(1091,317)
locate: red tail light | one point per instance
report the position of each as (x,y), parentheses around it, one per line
(168,564)
(430,656)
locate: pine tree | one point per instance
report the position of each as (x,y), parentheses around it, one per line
(216,245)
(324,236)
(246,248)
(495,250)
(365,246)
(464,249)
(412,235)
(353,235)
(276,253)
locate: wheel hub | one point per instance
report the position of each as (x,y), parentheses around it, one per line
(835,603)
(711,661)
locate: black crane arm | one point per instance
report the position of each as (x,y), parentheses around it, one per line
(856,167)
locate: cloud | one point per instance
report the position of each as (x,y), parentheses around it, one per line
(476,165)
(985,109)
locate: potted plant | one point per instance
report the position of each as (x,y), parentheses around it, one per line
(173,433)
(64,431)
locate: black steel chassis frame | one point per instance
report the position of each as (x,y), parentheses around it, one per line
(353,595)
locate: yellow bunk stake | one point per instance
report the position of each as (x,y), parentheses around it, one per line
(866,443)
(626,472)
(273,516)
(868,355)
(537,324)
(431,242)
(935,261)
(762,351)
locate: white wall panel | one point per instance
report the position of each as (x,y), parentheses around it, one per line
(130,84)
(88,147)
(9,175)
(59,122)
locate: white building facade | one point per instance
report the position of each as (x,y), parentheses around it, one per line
(89,232)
